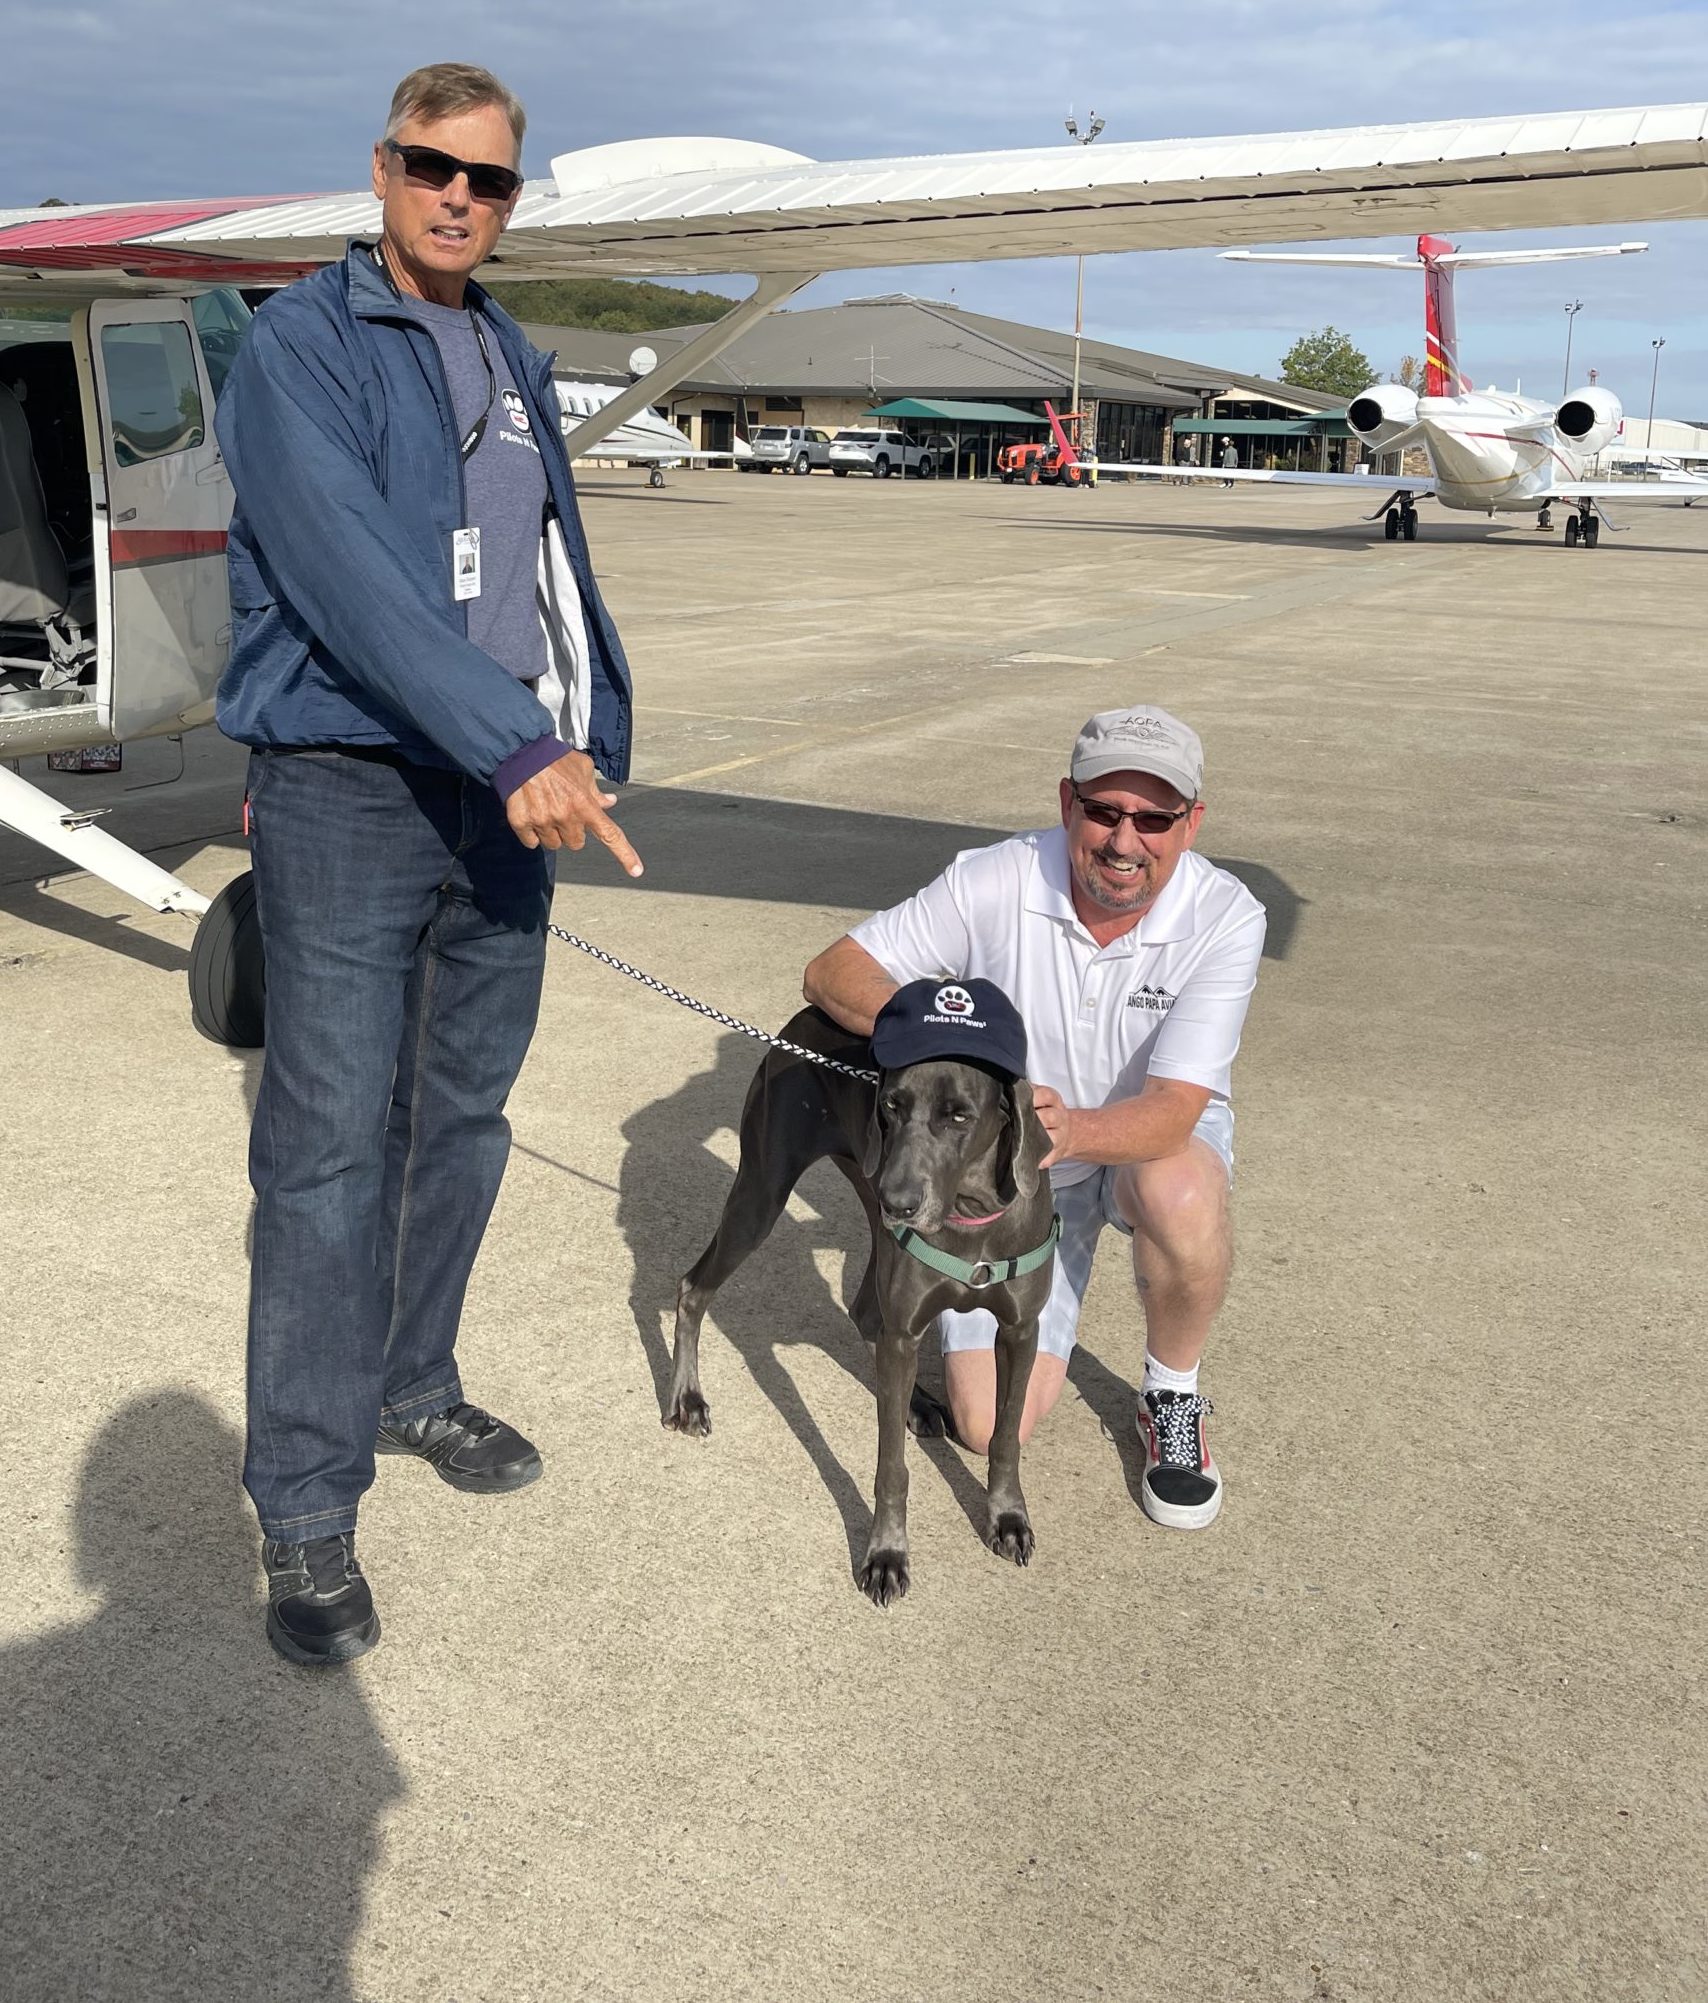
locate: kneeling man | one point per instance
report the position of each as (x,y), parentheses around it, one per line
(1131,960)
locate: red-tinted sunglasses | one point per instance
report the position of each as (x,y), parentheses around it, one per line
(434,169)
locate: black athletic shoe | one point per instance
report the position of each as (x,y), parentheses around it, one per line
(468,1448)
(1181,1487)
(319,1609)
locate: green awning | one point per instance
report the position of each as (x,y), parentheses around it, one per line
(956,413)
(1331,424)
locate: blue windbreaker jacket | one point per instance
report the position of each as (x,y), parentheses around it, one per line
(337,427)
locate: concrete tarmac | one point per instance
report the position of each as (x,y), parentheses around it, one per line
(1421,1716)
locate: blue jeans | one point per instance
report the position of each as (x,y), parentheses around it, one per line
(404,928)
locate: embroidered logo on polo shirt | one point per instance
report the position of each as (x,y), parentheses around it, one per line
(1157,1000)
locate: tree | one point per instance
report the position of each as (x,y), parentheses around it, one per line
(615,304)
(1327,361)
(1410,373)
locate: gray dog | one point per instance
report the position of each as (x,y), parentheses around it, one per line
(937,1141)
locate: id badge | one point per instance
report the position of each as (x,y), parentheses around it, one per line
(465,564)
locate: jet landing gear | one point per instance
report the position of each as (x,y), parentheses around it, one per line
(1400,523)
(1545,520)
(1583,527)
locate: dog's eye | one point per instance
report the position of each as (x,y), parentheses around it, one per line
(962,1119)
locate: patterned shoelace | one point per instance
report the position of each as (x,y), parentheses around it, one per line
(1178,1439)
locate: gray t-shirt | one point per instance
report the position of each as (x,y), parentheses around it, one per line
(505,487)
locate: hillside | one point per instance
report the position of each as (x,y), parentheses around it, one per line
(620,306)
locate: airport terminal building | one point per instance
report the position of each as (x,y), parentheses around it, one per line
(831,366)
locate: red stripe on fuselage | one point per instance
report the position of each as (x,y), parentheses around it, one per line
(133,546)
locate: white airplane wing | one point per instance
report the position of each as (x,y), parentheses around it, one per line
(1366,483)
(698,206)
(1643,492)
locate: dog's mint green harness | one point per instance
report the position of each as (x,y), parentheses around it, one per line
(995,1271)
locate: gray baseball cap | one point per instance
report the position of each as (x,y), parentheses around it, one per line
(1144,739)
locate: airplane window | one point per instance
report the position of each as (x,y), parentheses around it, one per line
(156,402)
(221,320)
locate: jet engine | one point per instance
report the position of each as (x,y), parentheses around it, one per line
(1382,412)
(1589,419)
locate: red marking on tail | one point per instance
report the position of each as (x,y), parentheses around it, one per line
(1441,334)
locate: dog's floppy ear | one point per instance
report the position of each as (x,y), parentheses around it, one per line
(1023,1144)
(874,1137)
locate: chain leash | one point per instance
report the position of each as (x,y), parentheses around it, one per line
(704,1008)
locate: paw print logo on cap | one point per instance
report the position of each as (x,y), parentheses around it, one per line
(954,1001)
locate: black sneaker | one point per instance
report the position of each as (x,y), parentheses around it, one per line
(468,1448)
(1181,1487)
(319,1609)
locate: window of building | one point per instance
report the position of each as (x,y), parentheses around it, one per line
(783,403)
(151,383)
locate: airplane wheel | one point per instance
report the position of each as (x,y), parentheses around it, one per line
(1571,531)
(1408,525)
(1591,532)
(1391,525)
(656,477)
(228,976)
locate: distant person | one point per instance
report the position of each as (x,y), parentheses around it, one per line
(1132,961)
(1230,459)
(435,698)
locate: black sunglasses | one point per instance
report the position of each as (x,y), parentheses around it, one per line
(434,169)
(1147,821)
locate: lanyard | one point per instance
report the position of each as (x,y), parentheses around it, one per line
(471,443)
(467,449)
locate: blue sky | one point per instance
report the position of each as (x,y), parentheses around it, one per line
(162,97)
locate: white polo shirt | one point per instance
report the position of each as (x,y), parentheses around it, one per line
(1165,1000)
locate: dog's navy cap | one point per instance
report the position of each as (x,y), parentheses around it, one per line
(971,1019)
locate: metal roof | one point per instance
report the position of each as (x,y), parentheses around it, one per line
(950,412)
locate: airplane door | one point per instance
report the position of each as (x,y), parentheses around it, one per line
(167,507)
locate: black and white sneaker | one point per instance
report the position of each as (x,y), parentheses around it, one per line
(319,1610)
(1181,1487)
(468,1448)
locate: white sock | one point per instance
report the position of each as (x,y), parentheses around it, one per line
(1159,1377)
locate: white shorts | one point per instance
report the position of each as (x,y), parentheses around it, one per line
(1084,1208)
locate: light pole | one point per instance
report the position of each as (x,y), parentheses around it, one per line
(1094,126)
(1654,377)
(1573,308)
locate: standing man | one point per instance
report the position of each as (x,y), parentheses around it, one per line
(1230,458)
(434,695)
(1131,960)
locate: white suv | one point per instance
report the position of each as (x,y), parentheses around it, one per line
(879,453)
(787,448)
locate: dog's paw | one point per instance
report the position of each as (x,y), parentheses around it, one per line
(1011,1537)
(884,1577)
(929,1418)
(689,1413)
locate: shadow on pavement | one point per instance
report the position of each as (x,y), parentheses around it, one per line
(672,1194)
(788,852)
(187,1818)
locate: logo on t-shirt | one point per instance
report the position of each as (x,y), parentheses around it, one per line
(1158,1000)
(516,410)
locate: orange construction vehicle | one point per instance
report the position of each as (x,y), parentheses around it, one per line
(1057,462)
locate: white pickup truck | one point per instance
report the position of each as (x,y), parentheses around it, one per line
(879,453)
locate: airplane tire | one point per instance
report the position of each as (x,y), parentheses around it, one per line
(1571,531)
(1591,532)
(656,477)
(1408,526)
(228,976)
(1391,525)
